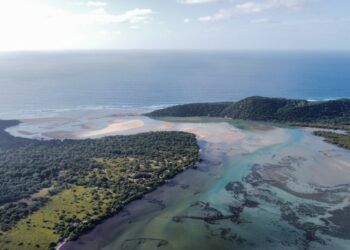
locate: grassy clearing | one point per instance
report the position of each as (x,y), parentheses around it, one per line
(38,230)
(78,208)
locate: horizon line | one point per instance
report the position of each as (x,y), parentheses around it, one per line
(169,49)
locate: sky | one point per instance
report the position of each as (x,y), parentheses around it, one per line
(175,24)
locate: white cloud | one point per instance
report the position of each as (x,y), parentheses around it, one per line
(132,16)
(187,20)
(96,4)
(192,2)
(253,8)
(315,21)
(41,26)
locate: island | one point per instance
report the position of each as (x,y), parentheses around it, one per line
(55,190)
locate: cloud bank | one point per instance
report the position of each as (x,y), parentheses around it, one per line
(252,7)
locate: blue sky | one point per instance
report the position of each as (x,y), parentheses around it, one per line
(174,24)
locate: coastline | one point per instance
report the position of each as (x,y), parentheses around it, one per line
(217,138)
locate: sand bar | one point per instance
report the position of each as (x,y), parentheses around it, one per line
(112,129)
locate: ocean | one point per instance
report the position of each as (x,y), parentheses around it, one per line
(34,83)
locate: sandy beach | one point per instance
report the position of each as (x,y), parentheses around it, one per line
(116,126)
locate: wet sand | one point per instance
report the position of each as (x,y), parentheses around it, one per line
(112,129)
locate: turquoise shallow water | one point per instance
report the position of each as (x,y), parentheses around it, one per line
(272,188)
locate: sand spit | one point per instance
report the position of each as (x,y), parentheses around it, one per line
(114,128)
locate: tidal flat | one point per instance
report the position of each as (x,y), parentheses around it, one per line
(258,186)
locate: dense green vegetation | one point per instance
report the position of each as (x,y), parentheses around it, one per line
(55,190)
(260,108)
(334,113)
(342,140)
(193,109)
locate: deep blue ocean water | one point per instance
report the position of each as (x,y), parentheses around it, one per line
(36,82)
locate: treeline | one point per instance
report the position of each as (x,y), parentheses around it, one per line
(193,109)
(322,113)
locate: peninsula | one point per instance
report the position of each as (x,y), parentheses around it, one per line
(54,190)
